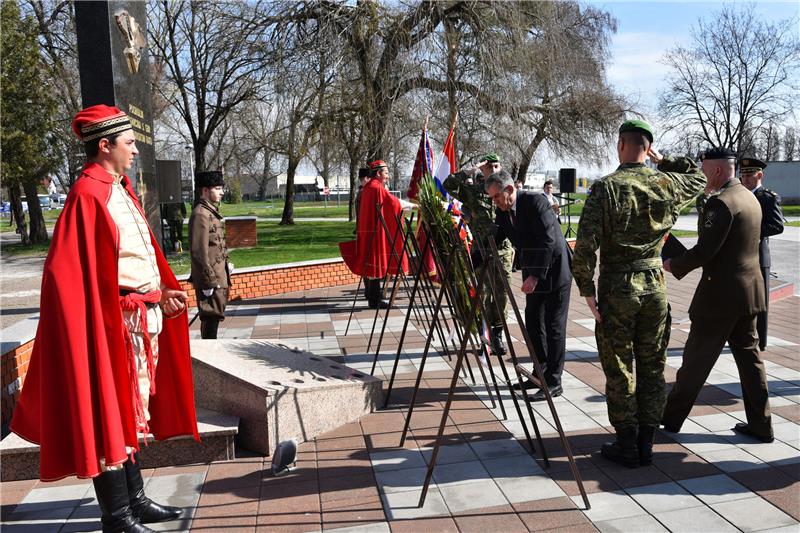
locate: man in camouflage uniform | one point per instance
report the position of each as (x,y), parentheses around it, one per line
(626,215)
(479,212)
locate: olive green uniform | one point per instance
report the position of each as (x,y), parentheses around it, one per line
(626,216)
(479,213)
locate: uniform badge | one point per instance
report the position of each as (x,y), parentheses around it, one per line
(709,221)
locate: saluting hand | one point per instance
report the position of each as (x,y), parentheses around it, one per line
(654,156)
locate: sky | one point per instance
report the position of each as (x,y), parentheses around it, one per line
(646,30)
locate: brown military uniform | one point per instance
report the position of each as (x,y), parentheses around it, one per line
(724,308)
(209,260)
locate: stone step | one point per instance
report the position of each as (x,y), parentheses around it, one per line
(19,459)
(279,392)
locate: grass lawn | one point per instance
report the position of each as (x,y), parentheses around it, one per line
(281,244)
(275,209)
(793,223)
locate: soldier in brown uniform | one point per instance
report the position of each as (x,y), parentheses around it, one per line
(210,271)
(728,298)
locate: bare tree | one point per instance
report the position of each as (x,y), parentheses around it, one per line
(738,74)
(791,150)
(212,57)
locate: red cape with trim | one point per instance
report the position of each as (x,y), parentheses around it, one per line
(76,398)
(370,254)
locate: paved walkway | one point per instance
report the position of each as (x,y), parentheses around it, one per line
(357,478)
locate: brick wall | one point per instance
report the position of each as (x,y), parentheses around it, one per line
(14,367)
(240,232)
(279,279)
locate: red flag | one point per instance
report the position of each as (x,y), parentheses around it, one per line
(422,164)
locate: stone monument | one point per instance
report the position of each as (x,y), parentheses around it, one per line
(114,68)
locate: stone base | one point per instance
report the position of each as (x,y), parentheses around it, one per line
(20,458)
(277,391)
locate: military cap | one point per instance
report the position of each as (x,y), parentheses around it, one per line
(377,165)
(208,178)
(751,164)
(718,153)
(637,125)
(490,157)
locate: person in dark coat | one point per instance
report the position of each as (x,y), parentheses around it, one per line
(752,173)
(529,222)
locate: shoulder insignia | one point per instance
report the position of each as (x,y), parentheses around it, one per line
(709,219)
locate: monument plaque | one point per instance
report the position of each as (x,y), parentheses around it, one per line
(115,70)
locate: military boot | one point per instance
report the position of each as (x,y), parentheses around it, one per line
(111,488)
(624,450)
(143,508)
(646,436)
(208,329)
(496,337)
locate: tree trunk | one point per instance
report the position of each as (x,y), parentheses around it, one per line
(38,232)
(351,215)
(287,218)
(19,215)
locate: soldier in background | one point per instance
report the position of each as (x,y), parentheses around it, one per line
(210,271)
(479,212)
(626,215)
(752,173)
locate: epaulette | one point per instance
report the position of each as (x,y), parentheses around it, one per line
(769,192)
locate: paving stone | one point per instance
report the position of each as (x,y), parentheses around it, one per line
(400,458)
(753,514)
(403,505)
(424,525)
(699,519)
(610,506)
(732,460)
(393,481)
(495,518)
(640,524)
(471,495)
(455,453)
(663,497)
(521,479)
(716,489)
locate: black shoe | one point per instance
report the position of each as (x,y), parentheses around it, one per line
(624,450)
(645,442)
(111,488)
(744,429)
(527,385)
(379,304)
(498,346)
(554,392)
(671,428)
(143,508)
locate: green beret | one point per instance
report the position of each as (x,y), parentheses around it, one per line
(491,157)
(637,125)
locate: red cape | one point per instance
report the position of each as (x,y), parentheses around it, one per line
(76,399)
(370,255)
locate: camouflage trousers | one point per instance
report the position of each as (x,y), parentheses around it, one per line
(493,317)
(634,328)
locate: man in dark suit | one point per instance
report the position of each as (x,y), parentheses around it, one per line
(529,222)
(728,298)
(752,172)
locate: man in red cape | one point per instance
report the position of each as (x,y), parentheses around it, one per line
(92,384)
(371,255)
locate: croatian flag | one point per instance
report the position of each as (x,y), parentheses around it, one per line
(447,163)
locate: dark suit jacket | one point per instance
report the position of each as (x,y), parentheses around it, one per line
(537,237)
(727,249)
(771,221)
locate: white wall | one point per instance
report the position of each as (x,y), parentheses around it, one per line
(783,177)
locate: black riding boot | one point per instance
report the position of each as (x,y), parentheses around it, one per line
(143,508)
(208,329)
(112,496)
(646,436)
(375,295)
(624,450)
